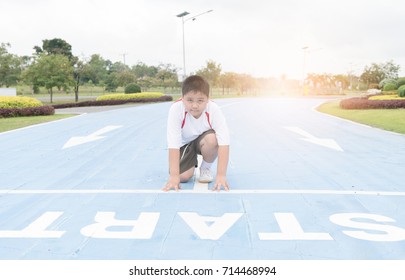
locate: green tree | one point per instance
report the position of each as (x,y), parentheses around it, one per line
(375,73)
(119,67)
(211,72)
(146,82)
(10,66)
(344,80)
(167,76)
(95,70)
(111,82)
(126,77)
(78,69)
(50,71)
(227,81)
(245,83)
(372,74)
(391,70)
(141,70)
(55,46)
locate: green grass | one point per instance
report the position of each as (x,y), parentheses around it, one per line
(7,124)
(387,119)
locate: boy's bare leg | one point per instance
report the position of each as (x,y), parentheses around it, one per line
(186,175)
(209,147)
(209,152)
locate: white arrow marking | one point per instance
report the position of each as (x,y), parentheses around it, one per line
(329,143)
(75,141)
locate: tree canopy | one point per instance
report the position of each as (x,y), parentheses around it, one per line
(53,65)
(50,71)
(55,46)
(377,72)
(10,66)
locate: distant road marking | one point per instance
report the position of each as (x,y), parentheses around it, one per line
(329,143)
(157,191)
(78,140)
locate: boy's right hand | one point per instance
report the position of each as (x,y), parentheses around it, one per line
(173,183)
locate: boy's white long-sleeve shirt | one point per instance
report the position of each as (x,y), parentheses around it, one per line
(182,127)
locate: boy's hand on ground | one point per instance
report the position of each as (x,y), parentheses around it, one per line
(173,183)
(220,182)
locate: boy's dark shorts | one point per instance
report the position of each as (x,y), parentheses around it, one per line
(189,152)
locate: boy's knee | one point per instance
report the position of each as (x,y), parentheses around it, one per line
(210,140)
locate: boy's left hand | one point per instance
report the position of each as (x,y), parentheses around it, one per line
(220,181)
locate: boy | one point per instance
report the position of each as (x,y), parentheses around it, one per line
(196,125)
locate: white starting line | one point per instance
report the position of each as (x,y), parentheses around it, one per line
(206,191)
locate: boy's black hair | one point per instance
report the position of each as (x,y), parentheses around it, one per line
(195,83)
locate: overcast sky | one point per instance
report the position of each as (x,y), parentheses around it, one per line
(257,37)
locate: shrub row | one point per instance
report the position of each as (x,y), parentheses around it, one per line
(365,103)
(8,102)
(50,110)
(26,112)
(121,96)
(396,82)
(397,85)
(385,97)
(112,102)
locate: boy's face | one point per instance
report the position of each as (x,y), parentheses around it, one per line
(195,103)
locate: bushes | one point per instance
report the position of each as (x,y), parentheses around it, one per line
(26,112)
(20,106)
(401,82)
(132,88)
(18,102)
(401,91)
(130,96)
(365,103)
(382,84)
(108,102)
(385,97)
(105,100)
(390,86)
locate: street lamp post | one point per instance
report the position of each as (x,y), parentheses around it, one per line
(307,51)
(183,20)
(182,15)
(304,70)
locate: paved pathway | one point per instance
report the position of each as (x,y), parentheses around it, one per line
(94,109)
(304,186)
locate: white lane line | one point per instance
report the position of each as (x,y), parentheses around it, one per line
(157,191)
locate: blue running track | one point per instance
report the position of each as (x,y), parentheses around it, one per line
(304,185)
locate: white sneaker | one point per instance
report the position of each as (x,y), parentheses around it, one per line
(205,176)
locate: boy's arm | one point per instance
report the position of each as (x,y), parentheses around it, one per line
(174,169)
(223,158)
